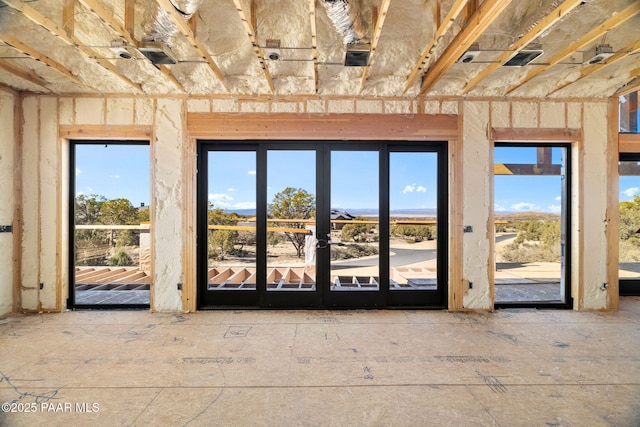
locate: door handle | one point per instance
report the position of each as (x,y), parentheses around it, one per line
(321,244)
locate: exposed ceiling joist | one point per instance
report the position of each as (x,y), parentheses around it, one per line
(558,13)
(254,42)
(382,14)
(314,42)
(588,38)
(38,56)
(64,35)
(455,10)
(590,69)
(23,74)
(127,35)
(185,30)
(632,86)
(484,16)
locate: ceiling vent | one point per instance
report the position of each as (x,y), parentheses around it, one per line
(357,55)
(272,50)
(471,54)
(525,56)
(157,52)
(598,54)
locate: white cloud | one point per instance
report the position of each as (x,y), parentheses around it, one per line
(78,171)
(251,172)
(410,188)
(221,199)
(79,193)
(630,192)
(231,190)
(524,206)
(555,208)
(499,208)
(558,198)
(114,176)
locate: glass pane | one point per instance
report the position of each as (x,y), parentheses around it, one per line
(291,224)
(111,224)
(232,220)
(413,211)
(629,113)
(354,221)
(629,226)
(530,193)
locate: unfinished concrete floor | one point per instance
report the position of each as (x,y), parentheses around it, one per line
(316,368)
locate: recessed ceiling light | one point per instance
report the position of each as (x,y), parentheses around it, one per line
(470,54)
(157,52)
(357,55)
(598,54)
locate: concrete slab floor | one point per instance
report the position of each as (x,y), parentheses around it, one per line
(516,367)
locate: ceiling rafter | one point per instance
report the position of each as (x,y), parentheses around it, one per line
(23,74)
(39,19)
(551,19)
(185,30)
(453,13)
(314,42)
(40,57)
(588,38)
(382,15)
(127,35)
(251,32)
(484,16)
(632,86)
(590,69)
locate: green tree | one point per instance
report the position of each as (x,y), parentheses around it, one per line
(293,203)
(87,208)
(356,232)
(221,241)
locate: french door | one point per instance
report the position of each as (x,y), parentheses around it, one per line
(324,224)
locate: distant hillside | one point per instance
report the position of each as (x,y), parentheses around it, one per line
(528,216)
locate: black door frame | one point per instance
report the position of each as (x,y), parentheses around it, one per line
(322,297)
(629,287)
(566,210)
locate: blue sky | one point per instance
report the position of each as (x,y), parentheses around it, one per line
(123,171)
(114,171)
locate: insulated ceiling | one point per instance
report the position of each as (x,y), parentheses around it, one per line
(413,47)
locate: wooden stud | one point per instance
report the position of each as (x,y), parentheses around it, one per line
(455,10)
(129,17)
(599,31)
(106,132)
(251,32)
(613,206)
(384,8)
(457,287)
(314,42)
(23,74)
(18,219)
(68,17)
(488,11)
(468,11)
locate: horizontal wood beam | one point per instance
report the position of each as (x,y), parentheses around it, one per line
(535,134)
(23,74)
(290,126)
(629,143)
(106,132)
(525,169)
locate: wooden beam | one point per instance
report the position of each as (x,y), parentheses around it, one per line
(551,19)
(129,17)
(525,169)
(68,17)
(535,134)
(632,86)
(23,74)
(292,126)
(468,11)
(628,142)
(455,10)
(590,69)
(106,132)
(184,29)
(613,206)
(254,42)
(40,57)
(384,8)
(591,36)
(39,19)
(314,41)
(488,11)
